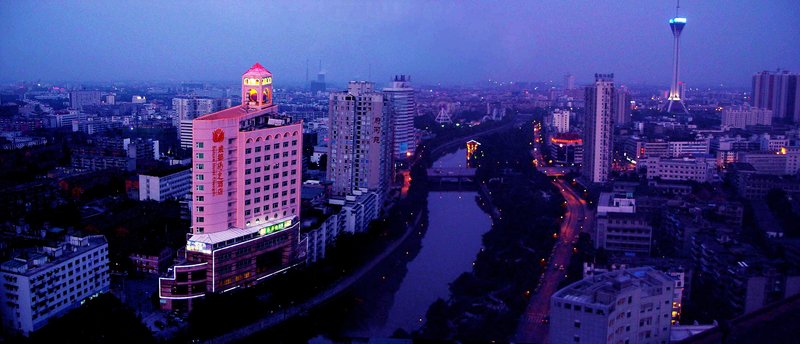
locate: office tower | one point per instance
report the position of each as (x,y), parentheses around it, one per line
(622,106)
(79,99)
(111,99)
(561,120)
(778,91)
(400,97)
(188,108)
(245,197)
(597,128)
(622,306)
(360,149)
(49,280)
(676,25)
(569,82)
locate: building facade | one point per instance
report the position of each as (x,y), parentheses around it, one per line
(698,169)
(188,108)
(51,280)
(246,180)
(778,91)
(619,228)
(360,147)
(159,187)
(400,97)
(743,116)
(561,120)
(622,306)
(597,141)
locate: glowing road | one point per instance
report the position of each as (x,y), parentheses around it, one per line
(532,327)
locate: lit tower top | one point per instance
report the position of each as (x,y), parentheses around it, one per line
(257,88)
(676,25)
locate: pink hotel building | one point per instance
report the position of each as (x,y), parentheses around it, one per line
(246,180)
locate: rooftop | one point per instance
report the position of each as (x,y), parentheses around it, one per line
(603,289)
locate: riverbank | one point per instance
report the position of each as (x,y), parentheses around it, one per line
(486,302)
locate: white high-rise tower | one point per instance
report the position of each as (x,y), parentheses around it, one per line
(676,25)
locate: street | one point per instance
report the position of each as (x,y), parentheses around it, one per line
(532,327)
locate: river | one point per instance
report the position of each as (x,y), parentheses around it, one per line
(397,294)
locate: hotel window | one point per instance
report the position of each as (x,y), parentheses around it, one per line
(199,166)
(258,149)
(247,212)
(286,144)
(294,152)
(276,146)
(285,173)
(199,145)
(199,219)
(247,192)
(199,177)
(275,205)
(199,188)
(247,182)
(258,159)
(258,180)
(247,171)
(258,169)
(199,155)
(283,202)
(200,209)
(199,198)
(285,154)
(285,164)
(248,161)
(257,200)
(248,150)
(266,147)
(294,142)
(291,201)
(293,191)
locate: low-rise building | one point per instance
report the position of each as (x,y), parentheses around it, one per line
(698,169)
(165,184)
(47,281)
(623,306)
(619,227)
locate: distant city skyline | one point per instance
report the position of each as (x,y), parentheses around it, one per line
(725,42)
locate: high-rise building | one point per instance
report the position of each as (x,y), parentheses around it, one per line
(676,89)
(622,306)
(778,91)
(360,149)
(246,178)
(561,120)
(622,106)
(79,99)
(188,108)
(597,129)
(569,82)
(400,97)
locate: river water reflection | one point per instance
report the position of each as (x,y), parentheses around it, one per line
(397,294)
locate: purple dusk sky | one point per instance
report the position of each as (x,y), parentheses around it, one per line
(452,42)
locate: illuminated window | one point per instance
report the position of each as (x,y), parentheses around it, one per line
(253,95)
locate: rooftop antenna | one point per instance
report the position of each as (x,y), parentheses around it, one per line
(677,7)
(306,72)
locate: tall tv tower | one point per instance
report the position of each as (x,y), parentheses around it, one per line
(676,24)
